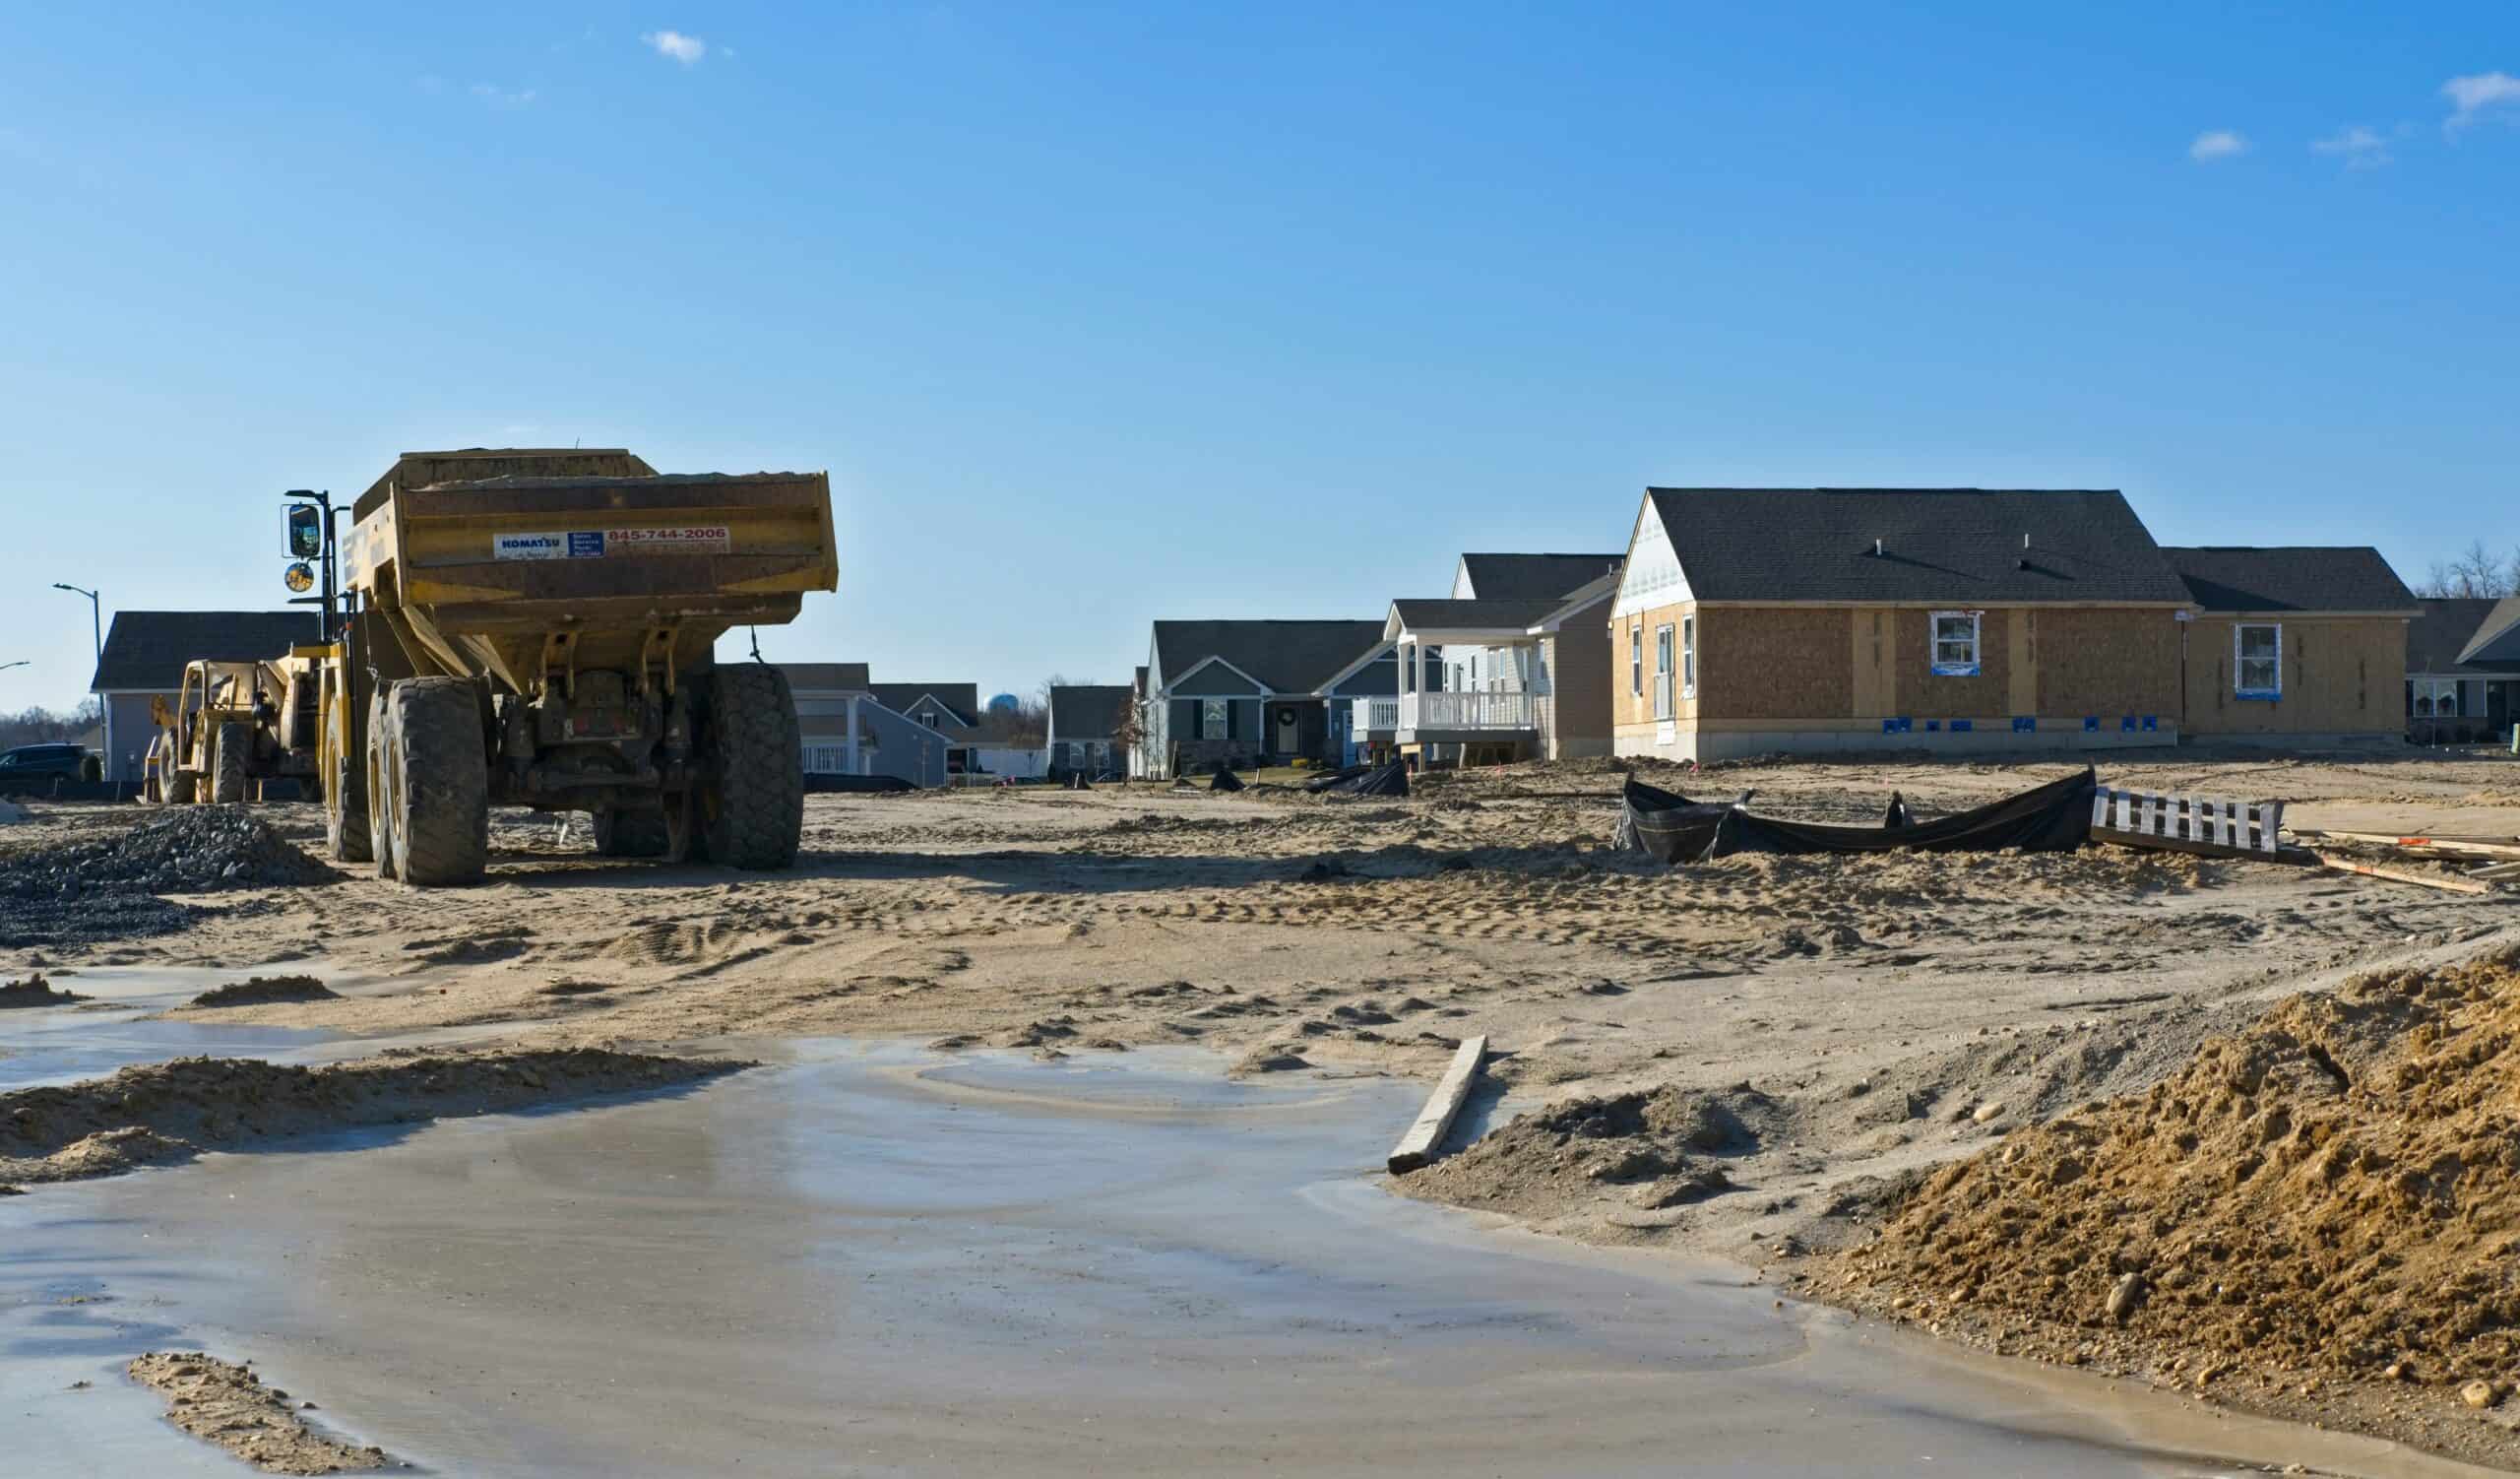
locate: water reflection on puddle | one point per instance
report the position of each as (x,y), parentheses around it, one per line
(875,1260)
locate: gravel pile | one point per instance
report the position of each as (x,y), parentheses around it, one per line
(186,849)
(107,888)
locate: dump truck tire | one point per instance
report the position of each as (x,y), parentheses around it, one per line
(378,763)
(230,749)
(631,834)
(439,776)
(345,834)
(751,799)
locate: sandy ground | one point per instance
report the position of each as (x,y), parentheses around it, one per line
(1861,1014)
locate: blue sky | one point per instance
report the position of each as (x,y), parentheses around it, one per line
(1103,314)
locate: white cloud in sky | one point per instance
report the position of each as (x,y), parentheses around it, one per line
(2217,144)
(2358,147)
(685,49)
(502,97)
(2474,98)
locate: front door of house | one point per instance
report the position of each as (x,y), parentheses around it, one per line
(1288,729)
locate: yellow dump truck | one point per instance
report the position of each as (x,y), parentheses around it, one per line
(232,727)
(538,628)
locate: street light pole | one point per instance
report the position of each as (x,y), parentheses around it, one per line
(95,615)
(104,706)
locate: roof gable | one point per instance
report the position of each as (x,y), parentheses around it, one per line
(2442,630)
(1915,546)
(960,701)
(1282,657)
(146,650)
(2289,578)
(2495,646)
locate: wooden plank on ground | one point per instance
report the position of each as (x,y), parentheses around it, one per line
(2349,866)
(2462,846)
(2494,871)
(1417,1147)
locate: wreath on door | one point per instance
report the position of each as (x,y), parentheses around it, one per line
(1287,714)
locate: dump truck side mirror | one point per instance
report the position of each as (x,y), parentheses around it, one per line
(305,531)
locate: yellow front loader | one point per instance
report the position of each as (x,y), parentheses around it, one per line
(233,726)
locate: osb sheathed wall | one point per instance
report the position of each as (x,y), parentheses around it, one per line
(2342,675)
(1923,693)
(1758,664)
(1770,662)
(1631,708)
(2107,664)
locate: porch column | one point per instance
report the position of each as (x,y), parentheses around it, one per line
(852,737)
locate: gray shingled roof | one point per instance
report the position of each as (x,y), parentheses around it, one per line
(1937,545)
(2448,623)
(1088,710)
(2496,645)
(1291,657)
(826,677)
(1480,616)
(963,698)
(146,650)
(1531,577)
(2290,578)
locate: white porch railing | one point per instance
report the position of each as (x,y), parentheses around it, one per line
(1376,714)
(1469,711)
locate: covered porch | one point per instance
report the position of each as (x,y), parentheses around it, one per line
(1474,686)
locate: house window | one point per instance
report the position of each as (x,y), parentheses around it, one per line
(2435,697)
(1955,643)
(1214,717)
(1662,671)
(2258,660)
(1636,661)
(928,717)
(1689,657)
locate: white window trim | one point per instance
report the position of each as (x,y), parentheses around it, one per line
(1224,712)
(1933,644)
(1689,657)
(1665,642)
(2240,689)
(1636,658)
(2432,691)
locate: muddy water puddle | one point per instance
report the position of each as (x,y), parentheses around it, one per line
(871,1259)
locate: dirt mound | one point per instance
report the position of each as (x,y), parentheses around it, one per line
(262,989)
(2334,1190)
(1652,1149)
(172,1111)
(225,1404)
(34,991)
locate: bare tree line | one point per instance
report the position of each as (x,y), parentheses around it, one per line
(39,725)
(2474,573)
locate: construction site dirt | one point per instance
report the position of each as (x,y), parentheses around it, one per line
(1759,1060)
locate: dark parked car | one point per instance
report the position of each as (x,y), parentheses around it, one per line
(29,761)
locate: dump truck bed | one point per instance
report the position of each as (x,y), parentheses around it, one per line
(482,576)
